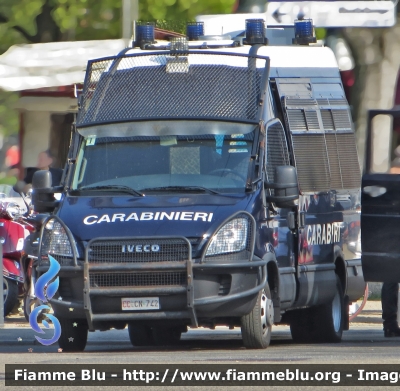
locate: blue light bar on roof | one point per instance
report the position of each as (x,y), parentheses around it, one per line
(194,30)
(144,33)
(255,32)
(303,32)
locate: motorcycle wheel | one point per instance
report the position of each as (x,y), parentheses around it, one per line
(10,295)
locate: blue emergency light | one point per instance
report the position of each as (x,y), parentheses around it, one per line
(303,32)
(144,33)
(255,32)
(194,30)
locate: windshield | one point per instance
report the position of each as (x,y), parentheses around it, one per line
(201,162)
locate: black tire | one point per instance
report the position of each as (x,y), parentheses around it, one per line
(164,336)
(257,325)
(10,295)
(74,334)
(331,317)
(324,323)
(140,335)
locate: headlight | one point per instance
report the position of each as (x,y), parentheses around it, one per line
(56,243)
(231,238)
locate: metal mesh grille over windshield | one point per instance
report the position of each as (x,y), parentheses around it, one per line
(142,87)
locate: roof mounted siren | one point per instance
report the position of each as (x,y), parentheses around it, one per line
(255,32)
(144,34)
(304,32)
(194,30)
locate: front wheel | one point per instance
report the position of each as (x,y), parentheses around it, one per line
(257,325)
(10,295)
(140,335)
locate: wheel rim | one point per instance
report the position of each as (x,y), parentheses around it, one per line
(336,312)
(266,312)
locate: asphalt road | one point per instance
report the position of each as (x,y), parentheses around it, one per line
(362,344)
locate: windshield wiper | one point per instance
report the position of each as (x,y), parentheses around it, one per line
(123,188)
(180,188)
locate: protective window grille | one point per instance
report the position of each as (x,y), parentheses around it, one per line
(103,280)
(327,119)
(350,167)
(138,250)
(277,153)
(326,161)
(56,243)
(138,87)
(311,161)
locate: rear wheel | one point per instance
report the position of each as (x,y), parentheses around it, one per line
(324,323)
(331,317)
(10,295)
(74,334)
(257,325)
(140,335)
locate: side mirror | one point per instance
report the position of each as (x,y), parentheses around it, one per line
(43,194)
(285,188)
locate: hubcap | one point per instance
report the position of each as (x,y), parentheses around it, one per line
(336,312)
(267,312)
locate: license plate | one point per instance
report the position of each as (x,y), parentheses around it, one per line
(140,303)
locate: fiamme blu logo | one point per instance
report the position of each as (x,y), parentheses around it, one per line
(45,288)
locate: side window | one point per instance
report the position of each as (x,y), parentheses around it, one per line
(277,153)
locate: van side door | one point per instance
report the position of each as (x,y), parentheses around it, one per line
(380,200)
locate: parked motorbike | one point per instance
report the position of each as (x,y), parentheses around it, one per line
(13,232)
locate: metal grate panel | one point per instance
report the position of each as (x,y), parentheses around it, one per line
(138,250)
(311,161)
(299,102)
(350,168)
(338,102)
(296,120)
(327,119)
(276,151)
(102,280)
(139,87)
(341,119)
(334,163)
(312,120)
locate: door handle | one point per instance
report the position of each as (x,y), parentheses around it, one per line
(374,191)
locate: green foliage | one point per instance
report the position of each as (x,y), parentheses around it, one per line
(93,19)
(25,21)
(8,118)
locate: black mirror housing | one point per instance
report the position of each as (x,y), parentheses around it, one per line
(43,193)
(286,188)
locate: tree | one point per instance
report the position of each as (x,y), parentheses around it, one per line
(38,21)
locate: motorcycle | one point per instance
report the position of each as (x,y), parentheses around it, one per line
(13,232)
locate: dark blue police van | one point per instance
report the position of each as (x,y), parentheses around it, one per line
(209,182)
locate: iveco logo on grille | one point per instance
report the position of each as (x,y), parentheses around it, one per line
(140,248)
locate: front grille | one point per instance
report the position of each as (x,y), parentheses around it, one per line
(101,280)
(138,250)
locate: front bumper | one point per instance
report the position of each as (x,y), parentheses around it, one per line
(199,298)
